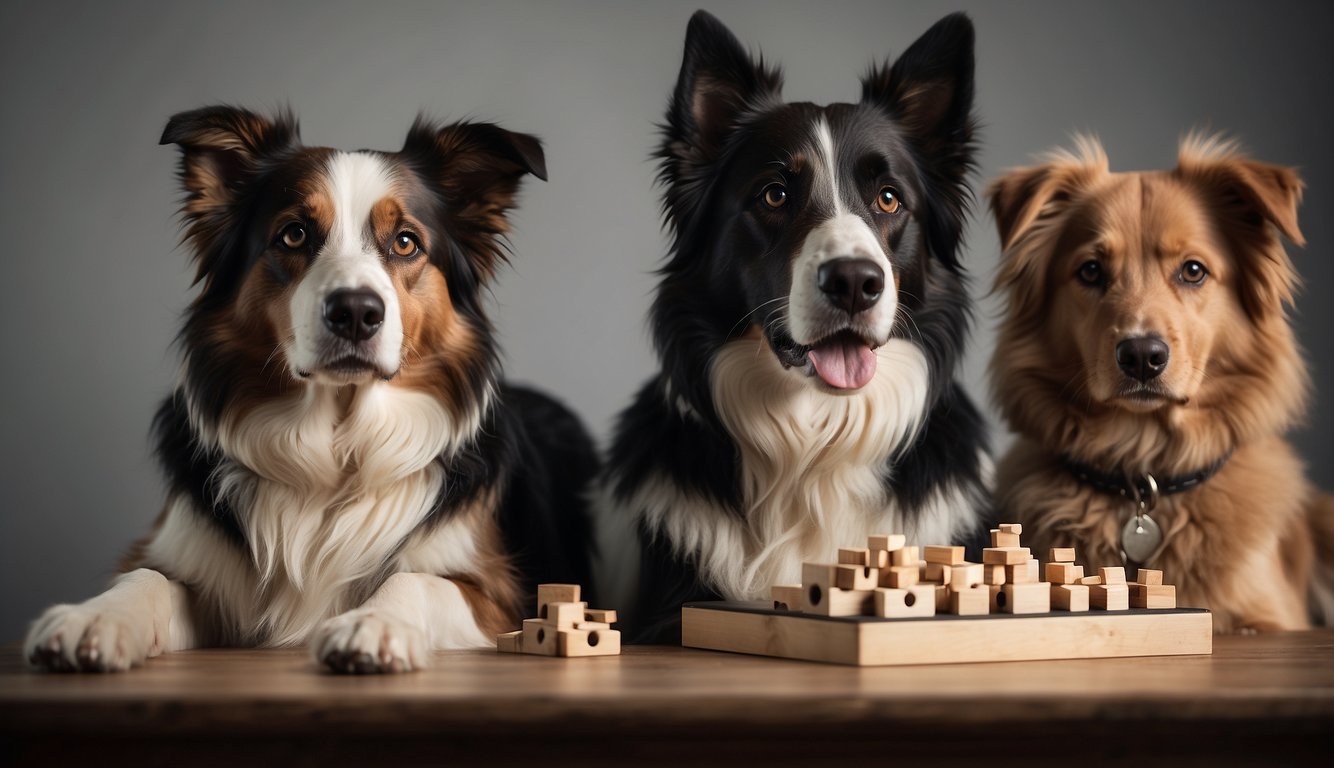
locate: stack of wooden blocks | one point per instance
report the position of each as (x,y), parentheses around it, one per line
(564,627)
(890,579)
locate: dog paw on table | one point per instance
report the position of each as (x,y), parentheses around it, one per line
(84,638)
(368,641)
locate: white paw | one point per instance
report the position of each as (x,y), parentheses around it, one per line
(82,638)
(366,641)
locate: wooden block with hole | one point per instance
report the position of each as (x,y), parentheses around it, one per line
(899,576)
(539,638)
(604,615)
(995,597)
(1109,597)
(1063,573)
(1014,528)
(904,556)
(837,602)
(993,574)
(855,577)
(564,615)
(1005,555)
(854,556)
(907,603)
(1149,577)
(1153,596)
(594,642)
(1020,573)
(1062,555)
(510,642)
(786,597)
(965,576)
(1069,597)
(1113,575)
(555,593)
(1034,597)
(886,542)
(973,601)
(943,555)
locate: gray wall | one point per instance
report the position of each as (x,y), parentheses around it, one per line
(93,282)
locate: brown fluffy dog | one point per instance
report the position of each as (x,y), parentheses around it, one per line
(1145,332)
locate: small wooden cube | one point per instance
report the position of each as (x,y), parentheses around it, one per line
(943,555)
(564,615)
(1153,596)
(993,574)
(855,577)
(1062,555)
(593,642)
(1069,597)
(1027,598)
(510,642)
(899,576)
(1014,528)
(965,575)
(905,603)
(1109,597)
(886,542)
(786,597)
(877,558)
(1034,569)
(1019,574)
(854,556)
(605,615)
(1063,573)
(1149,577)
(936,572)
(1113,575)
(973,601)
(818,573)
(555,593)
(837,602)
(1090,581)
(1001,539)
(539,638)
(904,556)
(1005,555)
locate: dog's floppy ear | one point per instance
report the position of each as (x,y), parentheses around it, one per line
(1025,196)
(1249,197)
(476,168)
(223,149)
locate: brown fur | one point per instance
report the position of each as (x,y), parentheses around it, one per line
(1241,543)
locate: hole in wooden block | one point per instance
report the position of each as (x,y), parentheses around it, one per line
(779,606)
(909,599)
(542,633)
(592,639)
(1000,599)
(815,594)
(866,573)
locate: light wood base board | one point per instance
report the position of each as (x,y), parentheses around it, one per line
(868,641)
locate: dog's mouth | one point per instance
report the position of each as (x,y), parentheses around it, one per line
(348,369)
(1147,396)
(845,360)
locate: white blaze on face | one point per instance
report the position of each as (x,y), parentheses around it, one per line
(355,182)
(844,235)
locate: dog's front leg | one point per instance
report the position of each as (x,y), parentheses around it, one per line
(409,616)
(140,616)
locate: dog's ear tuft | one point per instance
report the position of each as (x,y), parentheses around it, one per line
(476,168)
(1025,196)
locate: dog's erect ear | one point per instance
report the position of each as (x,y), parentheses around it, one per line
(718,83)
(929,90)
(476,167)
(223,149)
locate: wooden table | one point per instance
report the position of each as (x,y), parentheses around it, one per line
(1257,699)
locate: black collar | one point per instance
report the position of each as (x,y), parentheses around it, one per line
(1146,487)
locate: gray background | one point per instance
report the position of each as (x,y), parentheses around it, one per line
(93,283)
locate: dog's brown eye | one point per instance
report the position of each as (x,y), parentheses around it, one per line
(775,196)
(405,245)
(888,200)
(1090,273)
(1193,272)
(293,236)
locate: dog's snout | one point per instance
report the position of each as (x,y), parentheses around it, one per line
(354,314)
(1143,357)
(853,285)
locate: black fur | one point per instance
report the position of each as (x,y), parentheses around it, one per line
(725,125)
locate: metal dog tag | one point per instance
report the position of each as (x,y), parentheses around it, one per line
(1140,538)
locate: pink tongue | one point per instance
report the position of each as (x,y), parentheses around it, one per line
(844,362)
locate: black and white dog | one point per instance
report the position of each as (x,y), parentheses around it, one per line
(809,321)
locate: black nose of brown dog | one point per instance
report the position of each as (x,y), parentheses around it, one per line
(853,285)
(1143,357)
(354,314)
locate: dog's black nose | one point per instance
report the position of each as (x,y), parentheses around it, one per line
(853,285)
(1143,357)
(354,314)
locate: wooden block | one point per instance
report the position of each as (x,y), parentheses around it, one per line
(855,577)
(899,576)
(1001,539)
(1005,555)
(1014,528)
(564,615)
(943,555)
(1063,573)
(904,556)
(1034,569)
(605,615)
(1155,596)
(936,573)
(837,602)
(787,597)
(1026,598)
(1069,597)
(1062,555)
(1019,574)
(886,542)
(555,593)
(877,558)
(1090,581)
(539,638)
(1113,575)
(854,556)
(1149,577)
(591,625)
(942,598)
(973,601)
(905,603)
(596,642)
(821,574)
(966,575)
(1109,597)
(995,597)
(510,642)
(993,574)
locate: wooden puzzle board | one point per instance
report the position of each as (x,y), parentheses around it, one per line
(755,628)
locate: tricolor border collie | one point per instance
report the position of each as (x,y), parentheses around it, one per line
(346,467)
(809,321)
